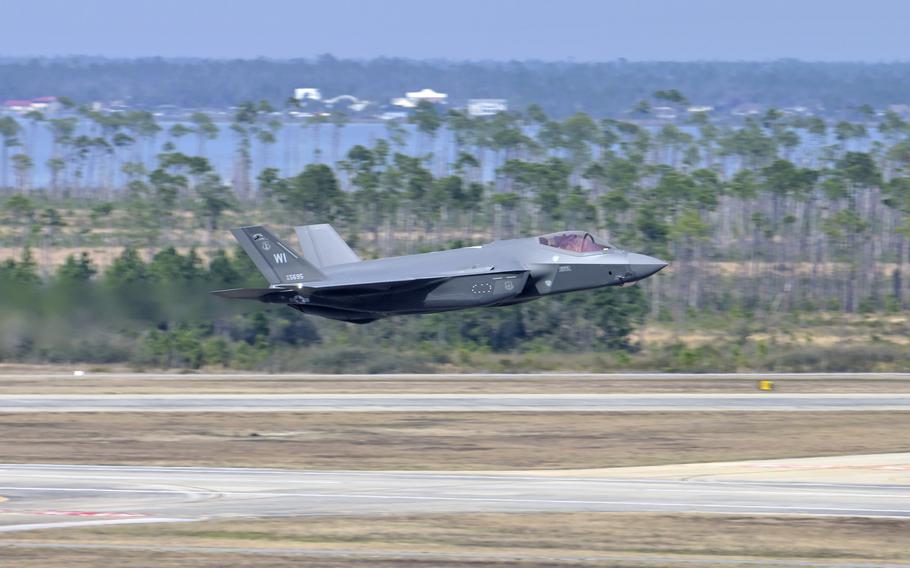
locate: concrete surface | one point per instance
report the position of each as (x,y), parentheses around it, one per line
(52,496)
(686,402)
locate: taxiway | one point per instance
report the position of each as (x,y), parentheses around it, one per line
(682,402)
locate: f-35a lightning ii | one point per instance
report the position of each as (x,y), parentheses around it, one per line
(331,281)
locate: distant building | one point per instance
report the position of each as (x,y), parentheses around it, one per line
(44,103)
(403,103)
(487,107)
(428,95)
(392,115)
(747,109)
(664,112)
(41,104)
(354,104)
(411,99)
(796,110)
(17,105)
(304,93)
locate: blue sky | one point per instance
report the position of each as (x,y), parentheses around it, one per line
(579,30)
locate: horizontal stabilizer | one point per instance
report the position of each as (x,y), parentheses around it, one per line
(268,295)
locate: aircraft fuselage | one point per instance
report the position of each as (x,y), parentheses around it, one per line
(518,270)
(332,281)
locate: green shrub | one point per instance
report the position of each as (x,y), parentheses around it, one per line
(858,358)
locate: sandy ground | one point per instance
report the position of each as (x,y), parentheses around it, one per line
(444,441)
(588,539)
(883,469)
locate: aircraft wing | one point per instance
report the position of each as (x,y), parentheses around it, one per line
(285,294)
(351,285)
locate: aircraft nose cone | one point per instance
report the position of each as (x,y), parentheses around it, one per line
(641,265)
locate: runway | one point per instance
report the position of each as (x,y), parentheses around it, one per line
(686,402)
(449,377)
(57,496)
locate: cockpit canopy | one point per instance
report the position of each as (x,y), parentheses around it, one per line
(574,241)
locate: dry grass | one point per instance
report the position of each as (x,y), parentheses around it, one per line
(44,558)
(535,538)
(447,441)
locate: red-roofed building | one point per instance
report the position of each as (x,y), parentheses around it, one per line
(43,104)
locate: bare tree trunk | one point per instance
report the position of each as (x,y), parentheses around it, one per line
(694,280)
(4,165)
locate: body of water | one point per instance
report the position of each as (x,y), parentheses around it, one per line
(296,146)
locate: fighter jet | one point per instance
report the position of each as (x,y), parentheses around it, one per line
(328,279)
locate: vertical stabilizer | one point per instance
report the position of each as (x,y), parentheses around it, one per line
(323,246)
(279,263)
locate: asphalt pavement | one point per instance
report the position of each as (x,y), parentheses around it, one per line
(684,402)
(56,496)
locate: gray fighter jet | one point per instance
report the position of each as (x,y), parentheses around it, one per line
(328,279)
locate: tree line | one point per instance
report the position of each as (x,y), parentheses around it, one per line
(158,313)
(777,214)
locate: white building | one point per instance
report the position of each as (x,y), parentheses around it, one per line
(487,107)
(428,95)
(403,102)
(747,109)
(303,93)
(390,115)
(354,104)
(796,111)
(664,112)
